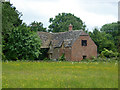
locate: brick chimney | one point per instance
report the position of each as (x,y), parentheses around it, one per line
(70,27)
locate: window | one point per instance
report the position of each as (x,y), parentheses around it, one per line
(84,42)
(84,57)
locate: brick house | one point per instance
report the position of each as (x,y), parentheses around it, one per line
(74,44)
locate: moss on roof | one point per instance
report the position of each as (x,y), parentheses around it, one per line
(56,39)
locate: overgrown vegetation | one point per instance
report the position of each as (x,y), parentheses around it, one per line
(21,41)
(108,53)
(62,58)
(22,44)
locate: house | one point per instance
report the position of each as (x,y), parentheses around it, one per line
(74,44)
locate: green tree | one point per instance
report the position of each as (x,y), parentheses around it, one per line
(10,18)
(112,29)
(22,44)
(61,22)
(119,38)
(102,40)
(37,26)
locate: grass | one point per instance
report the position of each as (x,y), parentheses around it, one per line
(59,75)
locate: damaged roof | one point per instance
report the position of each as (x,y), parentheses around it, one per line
(56,39)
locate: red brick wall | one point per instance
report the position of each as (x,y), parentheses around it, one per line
(78,50)
(67,52)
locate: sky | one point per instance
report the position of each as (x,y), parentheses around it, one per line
(94,13)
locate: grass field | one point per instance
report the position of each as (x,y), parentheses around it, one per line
(59,75)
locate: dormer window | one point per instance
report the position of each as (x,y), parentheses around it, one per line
(84,42)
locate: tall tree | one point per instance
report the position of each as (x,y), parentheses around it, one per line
(22,44)
(102,40)
(61,22)
(18,40)
(10,18)
(112,29)
(119,37)
(37,26)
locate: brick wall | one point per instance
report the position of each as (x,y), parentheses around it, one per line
(78,51)
(67,52)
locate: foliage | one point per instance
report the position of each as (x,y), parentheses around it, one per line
(119,37)
(61,22)
(109,53)
(37,26)
(103,40)
(45,59)
(44,53)
(112,29)
(62,58)
(10,19)
(22,44)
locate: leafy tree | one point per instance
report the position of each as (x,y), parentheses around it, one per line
(10,18)
(22,44)
(102,40)
(61,22)
(112,29)
(37,26)
(119,37)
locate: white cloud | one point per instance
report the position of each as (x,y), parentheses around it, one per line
(92,12)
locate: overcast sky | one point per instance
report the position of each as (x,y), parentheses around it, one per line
(94,13)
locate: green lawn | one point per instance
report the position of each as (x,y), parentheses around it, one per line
(59,75)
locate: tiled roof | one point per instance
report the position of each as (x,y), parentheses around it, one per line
(56,39)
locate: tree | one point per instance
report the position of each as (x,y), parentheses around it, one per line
(61,22)
(119,37)
(102,40)
(37,26)
(22,44)
(112,29)
(10,18)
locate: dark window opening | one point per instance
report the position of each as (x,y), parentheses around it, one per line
(84,57)
(84,42)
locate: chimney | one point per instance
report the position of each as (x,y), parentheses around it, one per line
(70,27)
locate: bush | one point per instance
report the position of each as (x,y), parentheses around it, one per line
(62,58)
(22,44)
(45,59)
(108,53)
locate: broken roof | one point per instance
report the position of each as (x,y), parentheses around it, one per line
(56,39)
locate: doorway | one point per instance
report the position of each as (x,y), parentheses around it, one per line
(84,56)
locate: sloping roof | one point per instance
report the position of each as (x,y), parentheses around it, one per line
(46,39)
(56,39)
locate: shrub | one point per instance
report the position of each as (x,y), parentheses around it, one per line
(45,59)
(62,58)
(108,53)
(22,44)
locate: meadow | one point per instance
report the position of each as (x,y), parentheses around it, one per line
(26,74)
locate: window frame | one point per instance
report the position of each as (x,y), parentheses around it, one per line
(83,42)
